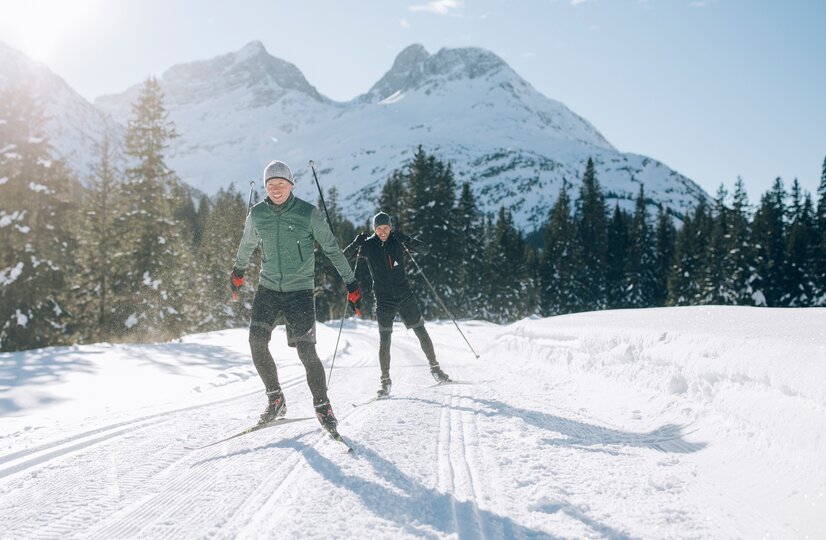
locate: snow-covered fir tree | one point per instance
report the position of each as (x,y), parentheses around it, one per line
(716,286)
(428,215)
(592,225)
(687,269)
(665,234)
(640,265)
(801,248)
(739,262)
(560,263)
(36,247)
(819,263)
(769,240)
(616,255)
(92,285)
(157,258)
(505,254)
(392,200)
(214,258)
(469,256)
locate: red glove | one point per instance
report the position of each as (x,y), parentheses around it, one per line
(354,296)
(236,279)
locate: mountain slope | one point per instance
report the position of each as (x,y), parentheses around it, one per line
(238,111)
(73,125)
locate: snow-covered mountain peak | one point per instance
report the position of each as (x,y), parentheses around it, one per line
(414,68)
(250,76)
(251,50)
(467,62)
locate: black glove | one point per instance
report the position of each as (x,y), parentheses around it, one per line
(354,296)
(236,279)
(361,238)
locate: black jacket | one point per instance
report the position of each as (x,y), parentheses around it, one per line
(386,263)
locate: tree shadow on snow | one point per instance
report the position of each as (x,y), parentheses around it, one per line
(666,438)
(418,510)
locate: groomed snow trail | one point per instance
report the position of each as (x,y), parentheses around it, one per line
(591,426)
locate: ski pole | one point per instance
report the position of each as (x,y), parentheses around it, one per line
(330,223)
(249,209)
(439,298)
(249,203)
(321,194)
(341,325)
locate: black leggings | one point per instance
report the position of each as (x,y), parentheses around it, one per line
(265,365)
(298,311)
(384,348)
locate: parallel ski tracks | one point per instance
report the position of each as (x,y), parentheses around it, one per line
(193,498)
(24,459)
(458,473)
(164,492)
(91,485)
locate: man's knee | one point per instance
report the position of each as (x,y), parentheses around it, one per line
(306,351)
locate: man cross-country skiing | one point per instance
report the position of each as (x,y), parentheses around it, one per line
(285,227)
(384,252)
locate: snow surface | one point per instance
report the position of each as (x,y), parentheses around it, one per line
(703,422)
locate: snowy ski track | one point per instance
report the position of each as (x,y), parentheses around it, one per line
(587,426)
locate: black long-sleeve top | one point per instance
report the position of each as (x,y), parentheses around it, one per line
(386,263)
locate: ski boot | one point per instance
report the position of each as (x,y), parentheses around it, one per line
(324,413)
(438,374)
(384,391)
(276,407)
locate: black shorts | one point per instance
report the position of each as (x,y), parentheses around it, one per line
(407,308)
(271,308)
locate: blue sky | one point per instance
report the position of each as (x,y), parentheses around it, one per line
(713,88)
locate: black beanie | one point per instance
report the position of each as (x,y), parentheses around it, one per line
(380,219)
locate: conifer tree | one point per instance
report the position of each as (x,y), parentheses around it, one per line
(393,198)
(716,287)
(97,242)
(739,262)
(640,267)
(592,227)
(184,212)
(157,263)
(769,241)
(801,251)
(201,218)
(618,248)
(533,280)
(470,255)
(560,265)
(213,305)
(685,278)
(665,238)
(819,263)
(428,216)
(35,245)
(506,256)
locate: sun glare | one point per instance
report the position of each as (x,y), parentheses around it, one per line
(42,25)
